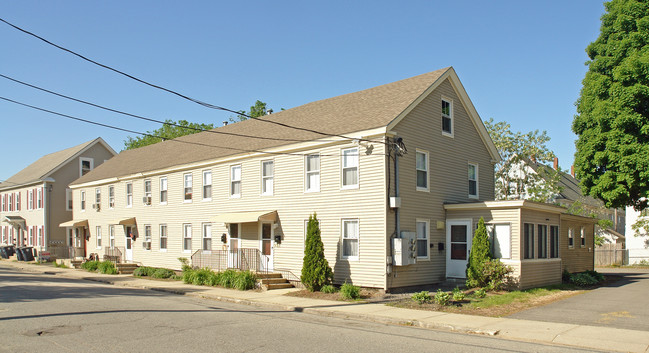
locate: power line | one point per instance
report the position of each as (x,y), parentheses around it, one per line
(145,118)
(156,136)
(205,104)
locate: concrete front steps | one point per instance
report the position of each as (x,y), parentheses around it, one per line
(126,269)
(271,281)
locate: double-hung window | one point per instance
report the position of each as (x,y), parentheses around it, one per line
(571,238)
(111,236)
(350,238)
(85,165)
(147,237)
(582,235)
(267,177)
(147,193)
(111,196)
(447,117)
(163,237)
(188,182)
(207,236)
(187,237)
(129,194)
(422,170)
(528,241)
(423,234)
(235,181)
(39,198)
(554,242)
(97,198)
(312,177)
(207,185)
(350,168)
(163,190)
(68,199)
(473,181)
(98,237)
(500,238)
(30,199)
(83,200)
(542,237)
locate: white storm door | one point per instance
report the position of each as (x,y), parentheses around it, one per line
(458,240)
(234,243)
(266,246)
(128,253)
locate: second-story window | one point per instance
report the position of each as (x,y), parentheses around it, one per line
(30,199)
(97,204)
(129,194)
(68,199)
(447,117)
(207,185)
(473,181)
(83,200)
(39,197)
(163,191)
(267,176)
(312,177)
(350,168)
(188,182)
(111,197)
(147,192)
(235,181)
(422,170)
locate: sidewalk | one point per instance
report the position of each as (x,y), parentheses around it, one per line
(593,337)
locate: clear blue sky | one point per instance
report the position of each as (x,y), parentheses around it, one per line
(520,61)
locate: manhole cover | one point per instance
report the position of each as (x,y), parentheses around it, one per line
(53,331)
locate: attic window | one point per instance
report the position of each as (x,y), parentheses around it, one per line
(85,165)
(447,117)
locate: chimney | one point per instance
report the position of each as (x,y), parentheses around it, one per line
(556,163)
(572,170)
(225,123)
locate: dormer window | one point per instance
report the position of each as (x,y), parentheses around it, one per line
(85,165)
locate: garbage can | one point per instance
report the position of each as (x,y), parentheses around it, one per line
(28,253)
(19,254)
(3,252)
(10,250)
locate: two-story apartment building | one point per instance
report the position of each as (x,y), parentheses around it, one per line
(376,166)
(34,201)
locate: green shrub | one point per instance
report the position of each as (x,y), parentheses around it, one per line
(480,253)
(202,276)
(565,276)
(458,295)
(227,278)
(245,280)
(107,268)
(480,293)
(442,298)
(328,288)
(583,279)
(422,297)
(162,273)
(185,263)
(496,274)
(90,265)
(143,271)
(350,291)
(188,275)
(598,276)
(315,268)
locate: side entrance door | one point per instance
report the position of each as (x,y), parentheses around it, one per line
(458,240)
(128,252)
(266,246)
(234,258)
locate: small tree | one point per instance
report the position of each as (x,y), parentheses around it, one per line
(480,254)
(315,268)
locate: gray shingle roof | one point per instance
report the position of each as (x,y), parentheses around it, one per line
(358,111)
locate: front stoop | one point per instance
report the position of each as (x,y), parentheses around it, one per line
(273,281)
(126,269)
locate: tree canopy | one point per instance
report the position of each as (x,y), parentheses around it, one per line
(169,130)
(515,179)
(256,111)
(612,121)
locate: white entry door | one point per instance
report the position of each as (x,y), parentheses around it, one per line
(458,240)
(128,253)
(234,244)
(266,246)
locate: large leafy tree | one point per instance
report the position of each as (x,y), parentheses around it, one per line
(169,130)
(515,177)
(612,121)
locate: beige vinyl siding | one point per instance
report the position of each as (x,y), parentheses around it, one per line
(35,217)
(577,259)
(367,203)
(538,273)
(448,178)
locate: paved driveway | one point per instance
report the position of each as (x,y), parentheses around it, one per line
(622,304)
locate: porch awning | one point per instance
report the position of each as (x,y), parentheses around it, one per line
(124,221)
(75,223)
(15,221)
(246,217)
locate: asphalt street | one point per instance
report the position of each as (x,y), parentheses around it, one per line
(45,313)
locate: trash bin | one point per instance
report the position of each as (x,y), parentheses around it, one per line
(10,250)
(28,253)
(3,252)
(19,254)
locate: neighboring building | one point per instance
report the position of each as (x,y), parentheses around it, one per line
(637,245)
(225,199)
(34,201)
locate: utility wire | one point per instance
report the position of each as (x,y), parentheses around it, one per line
(156,136)
(205,104)
(145,118)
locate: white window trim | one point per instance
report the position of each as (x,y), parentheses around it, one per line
(306,173)
(582,237)
(82,201)
(161,189)
(342,168)
(263,178)
(490,229)
(185,187)
(419,188)
(127,194)
(30,199)
(342,237)
(571,234)
(185,237)
(83,159)
(68,198)
(421,220)
(145,192)
(211,184)
(236,196)
(111,199)
(98,236)
(150,238)
(160,237)
(98,195)
(477,181)
(547,241)
(451,116)
(205,235)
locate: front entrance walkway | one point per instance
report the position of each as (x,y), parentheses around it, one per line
(622,304)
